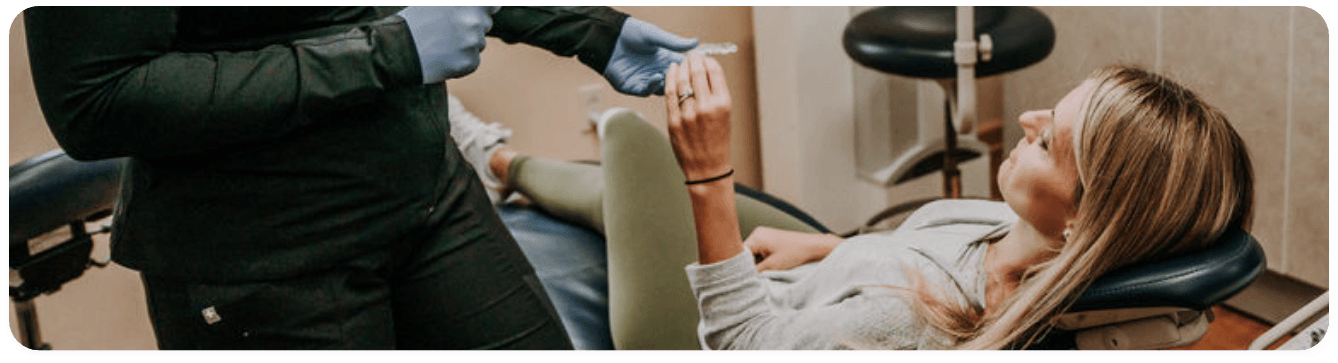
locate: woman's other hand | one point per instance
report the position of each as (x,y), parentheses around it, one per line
(698,122)
(776,249)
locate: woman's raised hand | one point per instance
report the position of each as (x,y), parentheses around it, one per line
(698,104)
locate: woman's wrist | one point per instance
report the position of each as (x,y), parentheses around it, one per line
(710,179)
(725,184)
(716,220)
(829,243)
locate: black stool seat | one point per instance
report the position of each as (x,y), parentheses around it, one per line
(918,41)
(51,190)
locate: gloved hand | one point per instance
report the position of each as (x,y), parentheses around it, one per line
(449,38)
(641,56)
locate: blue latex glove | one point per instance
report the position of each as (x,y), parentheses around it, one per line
(641,56)
(449,38)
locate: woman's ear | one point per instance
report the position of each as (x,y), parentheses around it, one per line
(1068,228)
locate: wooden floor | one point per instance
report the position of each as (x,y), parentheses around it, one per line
(1231,330)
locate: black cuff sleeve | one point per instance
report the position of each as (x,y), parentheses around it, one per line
(589,33)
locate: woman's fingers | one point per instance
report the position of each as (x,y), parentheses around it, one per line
(761,251)
(671,92)
(716,76)
(699,124)
(687,108)
(697,72)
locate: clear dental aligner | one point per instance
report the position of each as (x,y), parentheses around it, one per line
(715,48)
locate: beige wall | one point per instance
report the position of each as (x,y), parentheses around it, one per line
(28,134)
(1265,67)
(535,93)
(826,123)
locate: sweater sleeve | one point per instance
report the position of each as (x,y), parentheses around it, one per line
(111,82)
(735,314)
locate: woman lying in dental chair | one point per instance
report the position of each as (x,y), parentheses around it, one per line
(1128,167)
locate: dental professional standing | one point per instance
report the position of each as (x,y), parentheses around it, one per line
(291,181)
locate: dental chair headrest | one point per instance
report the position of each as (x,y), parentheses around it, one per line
(1197,280)
(51,190)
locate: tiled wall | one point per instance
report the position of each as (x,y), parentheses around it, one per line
(1265,67)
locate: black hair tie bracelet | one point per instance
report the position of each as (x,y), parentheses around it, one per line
(708,180)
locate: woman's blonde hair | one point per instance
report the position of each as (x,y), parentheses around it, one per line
(1160,173)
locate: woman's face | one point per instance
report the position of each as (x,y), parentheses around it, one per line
(1038,179)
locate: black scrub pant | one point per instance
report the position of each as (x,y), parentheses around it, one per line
(461,284)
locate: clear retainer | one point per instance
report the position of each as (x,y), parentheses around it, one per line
(715,48)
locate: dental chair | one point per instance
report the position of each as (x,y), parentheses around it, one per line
(1154,305)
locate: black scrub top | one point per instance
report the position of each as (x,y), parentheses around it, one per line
(265,142)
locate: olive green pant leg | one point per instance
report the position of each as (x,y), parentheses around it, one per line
(638,199)
(650,233)
(572,192)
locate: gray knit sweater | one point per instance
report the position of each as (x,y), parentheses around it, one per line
(857,297)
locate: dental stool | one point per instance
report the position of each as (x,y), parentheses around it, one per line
(928,43)
(51,197)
